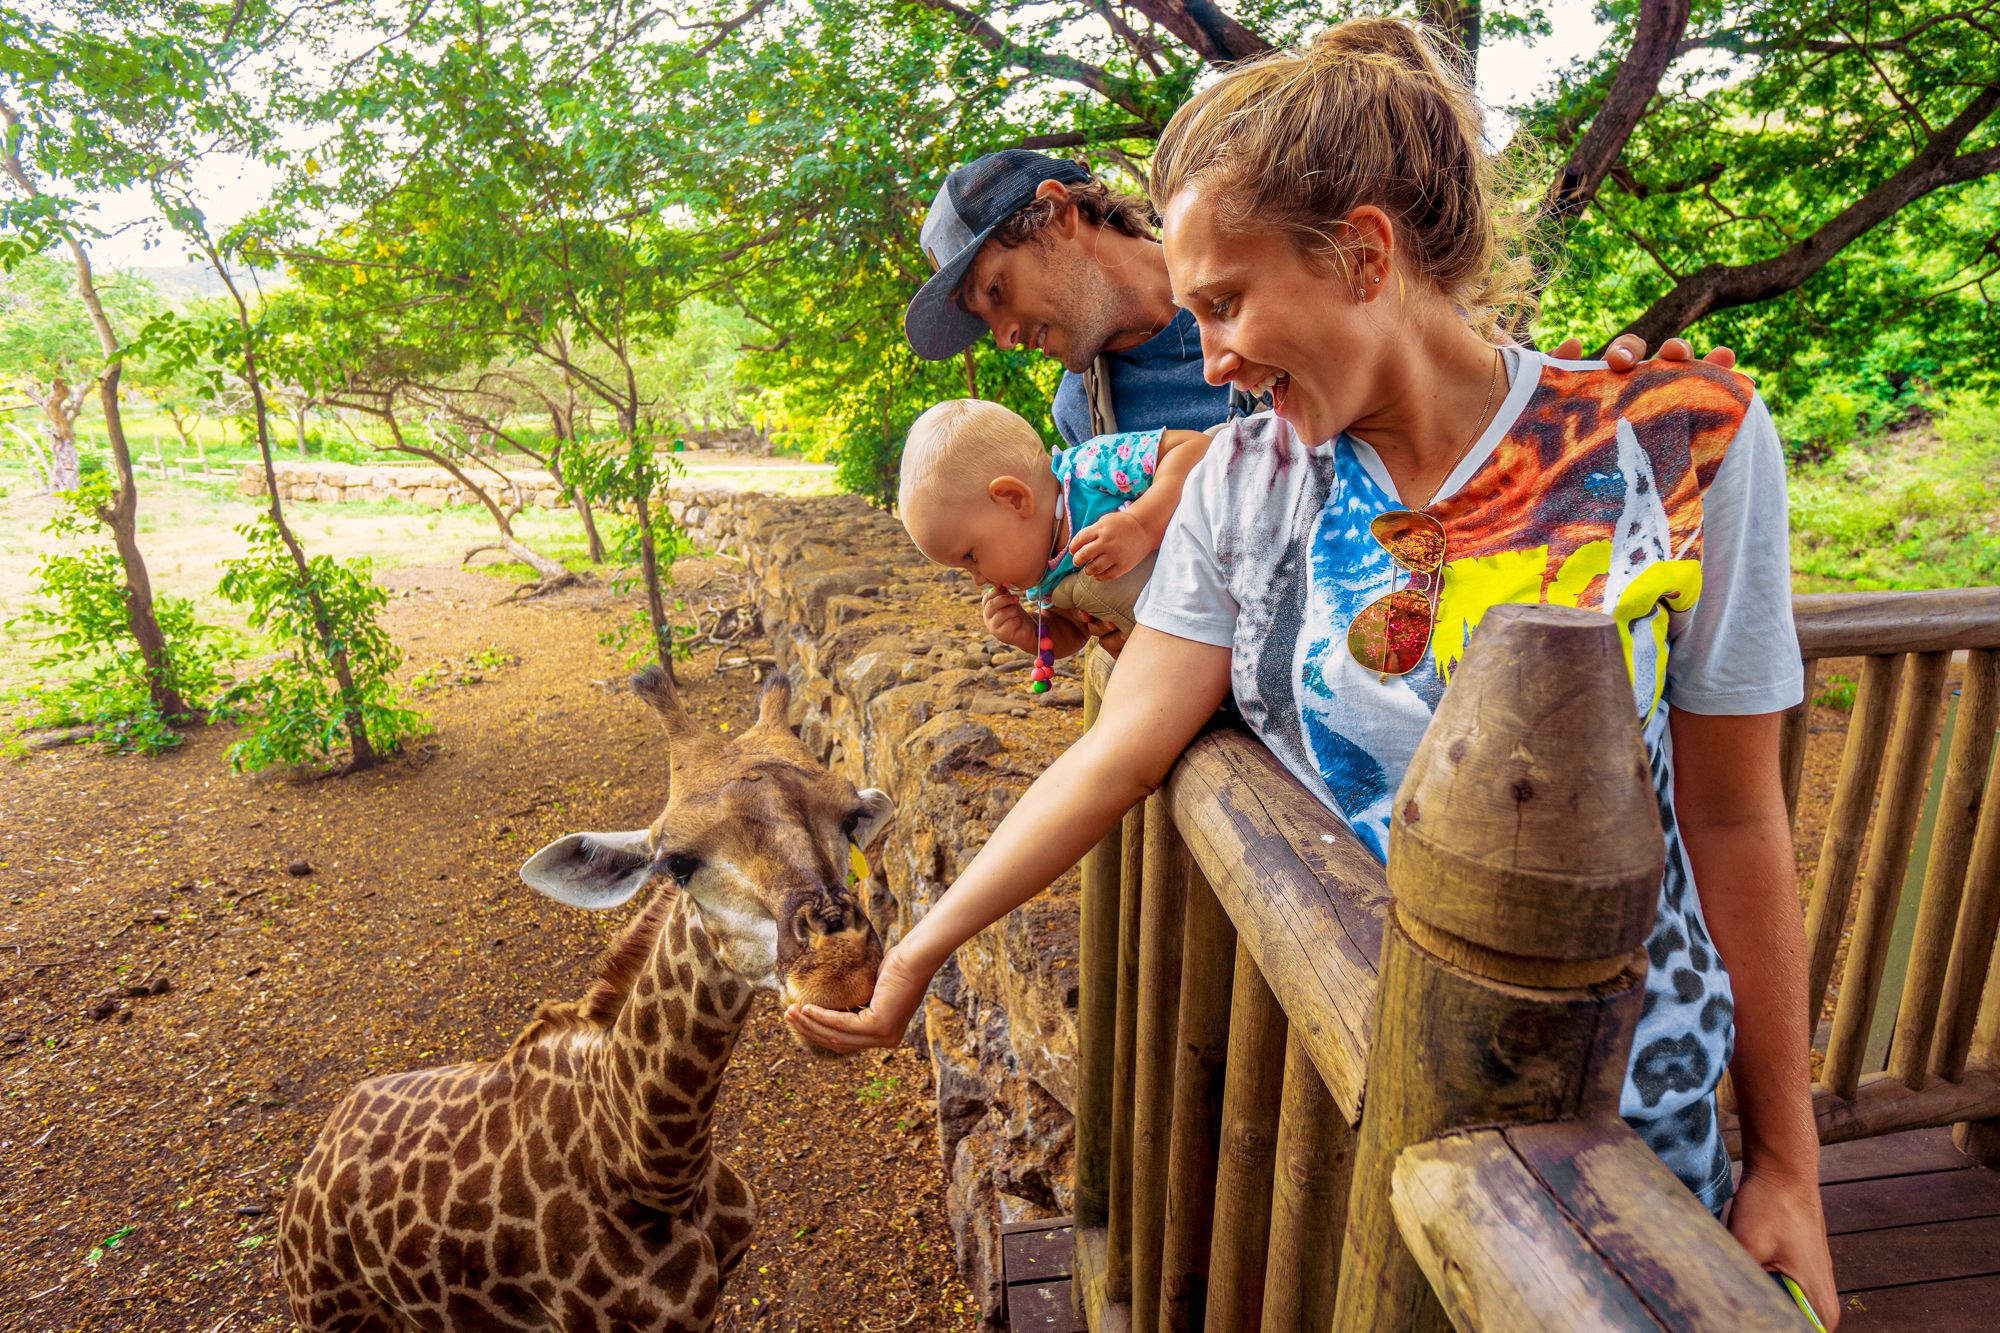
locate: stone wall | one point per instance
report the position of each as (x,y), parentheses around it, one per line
(335,483)
(896,682)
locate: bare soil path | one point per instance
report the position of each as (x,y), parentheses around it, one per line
(174,1121)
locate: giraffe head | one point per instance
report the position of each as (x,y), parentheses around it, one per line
(757,833)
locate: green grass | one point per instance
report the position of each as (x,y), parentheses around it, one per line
(1919,508)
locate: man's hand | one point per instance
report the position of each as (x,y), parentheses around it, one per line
(1111,546)
(1109,637)
(1006,620)
(1629,349)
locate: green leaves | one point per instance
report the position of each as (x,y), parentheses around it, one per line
(94,673)
(300,716)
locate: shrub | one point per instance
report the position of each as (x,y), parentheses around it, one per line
(1915,509)
(97,673)
(301,712)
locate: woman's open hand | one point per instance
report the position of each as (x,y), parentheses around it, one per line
(1629,349)
(899,989)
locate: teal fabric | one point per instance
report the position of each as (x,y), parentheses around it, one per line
(1098,477)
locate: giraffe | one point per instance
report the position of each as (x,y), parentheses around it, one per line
(572,1184)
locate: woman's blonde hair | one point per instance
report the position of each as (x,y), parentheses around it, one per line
(1371,114)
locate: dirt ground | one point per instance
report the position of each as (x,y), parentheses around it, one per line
(144,1153)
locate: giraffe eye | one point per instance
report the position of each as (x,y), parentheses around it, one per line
(682,867)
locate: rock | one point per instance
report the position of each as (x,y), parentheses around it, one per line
(299,866)
(56,739)
(952,743)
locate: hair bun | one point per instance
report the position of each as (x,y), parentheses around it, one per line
(1406,44)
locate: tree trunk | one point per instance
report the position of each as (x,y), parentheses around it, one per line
(562,427)
(343,675)
(656,601)
(589,526)
(65,469)
(123,519)
(300,416)
(552,572)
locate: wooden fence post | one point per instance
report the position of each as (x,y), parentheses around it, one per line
(1309,1189)
(1096,1017)
(1525,857)
(1208,965)
(1118,1226)
(1162,910)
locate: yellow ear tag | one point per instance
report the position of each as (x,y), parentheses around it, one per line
(857,865)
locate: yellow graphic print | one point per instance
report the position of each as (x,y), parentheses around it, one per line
(1476,583)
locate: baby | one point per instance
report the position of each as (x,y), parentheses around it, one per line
(1072,535)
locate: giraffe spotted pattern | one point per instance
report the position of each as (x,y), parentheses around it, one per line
(572,1183)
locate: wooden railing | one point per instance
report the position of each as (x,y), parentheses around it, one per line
(1907,1045)
(1241,952)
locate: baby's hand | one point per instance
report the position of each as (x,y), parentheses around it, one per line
(1112,545)
(1006,621)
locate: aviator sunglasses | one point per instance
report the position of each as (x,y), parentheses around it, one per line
(1391,633)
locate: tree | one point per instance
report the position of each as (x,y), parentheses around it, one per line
(1791,174)
(50,350)
(504,172)
(61,101)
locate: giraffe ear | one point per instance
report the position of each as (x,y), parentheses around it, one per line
(591,870)
(874,814)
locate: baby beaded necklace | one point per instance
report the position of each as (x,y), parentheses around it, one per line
(1045,645)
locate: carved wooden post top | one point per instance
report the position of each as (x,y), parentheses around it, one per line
(1525,844)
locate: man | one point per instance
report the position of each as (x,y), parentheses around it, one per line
(1032,248)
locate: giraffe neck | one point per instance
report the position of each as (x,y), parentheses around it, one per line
(660,1067)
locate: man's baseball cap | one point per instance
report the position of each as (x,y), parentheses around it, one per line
(972,201)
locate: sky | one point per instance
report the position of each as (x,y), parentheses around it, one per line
(230,188)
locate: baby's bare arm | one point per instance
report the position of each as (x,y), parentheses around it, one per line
(1180,450)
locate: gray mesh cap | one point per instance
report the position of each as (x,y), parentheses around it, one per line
(972,201)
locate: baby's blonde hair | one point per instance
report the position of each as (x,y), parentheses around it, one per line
(960,445)
(1371,113)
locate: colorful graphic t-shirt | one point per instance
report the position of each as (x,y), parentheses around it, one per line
(1100,476)
(1656,497)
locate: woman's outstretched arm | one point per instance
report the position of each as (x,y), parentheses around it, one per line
(1165,688)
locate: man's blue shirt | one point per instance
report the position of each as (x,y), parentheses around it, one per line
(1157,385)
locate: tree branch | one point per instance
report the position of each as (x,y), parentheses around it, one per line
(1738,42)
(1653,46)
(1134,129)
(1213,35)
(1721,287)
(1100,81)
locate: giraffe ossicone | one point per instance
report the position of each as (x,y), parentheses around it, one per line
(572,1184)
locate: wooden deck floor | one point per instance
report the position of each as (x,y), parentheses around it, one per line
(1914,1225)
(1915,1229)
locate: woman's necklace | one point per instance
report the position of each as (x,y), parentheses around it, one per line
(1478,429)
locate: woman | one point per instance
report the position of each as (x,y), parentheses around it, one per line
(1330,219)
